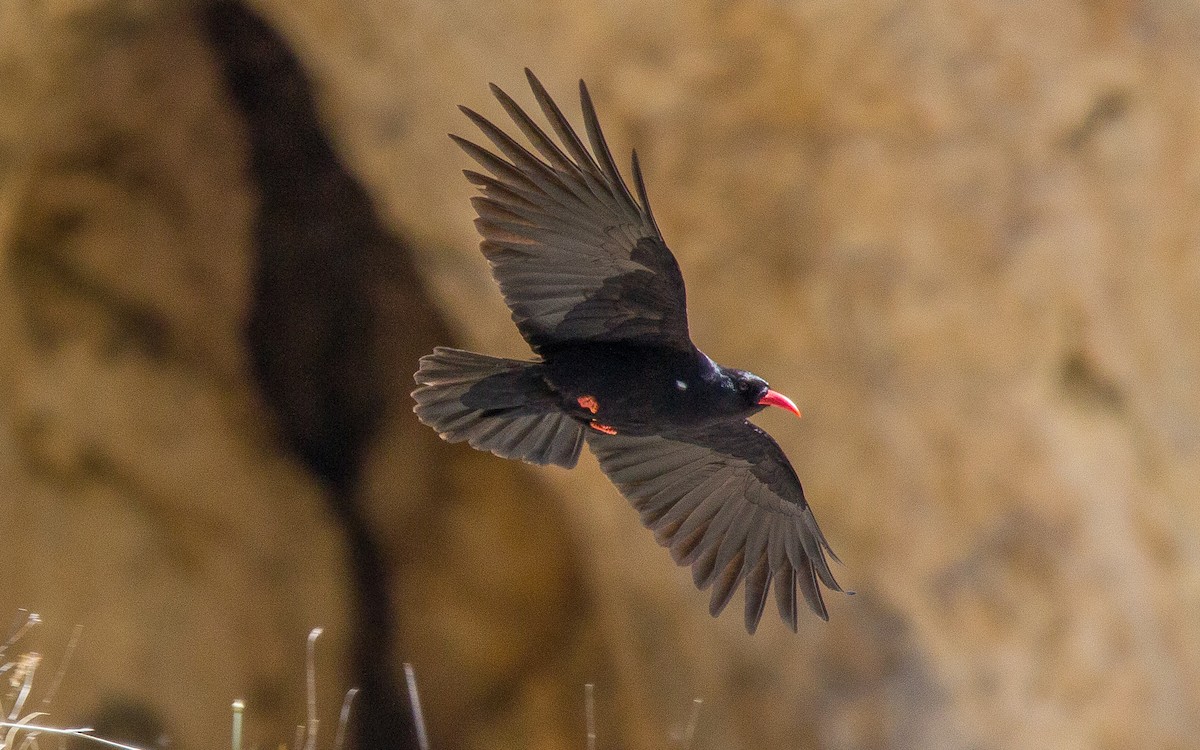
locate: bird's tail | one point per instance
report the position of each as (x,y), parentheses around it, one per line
(498,405)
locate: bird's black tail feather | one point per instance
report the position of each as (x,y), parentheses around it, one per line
(498,405)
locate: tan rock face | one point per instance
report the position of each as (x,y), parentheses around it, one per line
(151,491)
(142,494)
(962,237)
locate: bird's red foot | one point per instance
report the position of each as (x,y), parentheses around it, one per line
(602,427)
(589,403)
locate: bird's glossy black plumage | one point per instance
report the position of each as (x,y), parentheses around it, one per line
(599,297)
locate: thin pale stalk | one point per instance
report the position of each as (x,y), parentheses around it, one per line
(62,667)
(589,712)
(689,732)
(414,699)
(311,671)
(83,733)
(239,707)
(20,629)
(30,665)
(344,718)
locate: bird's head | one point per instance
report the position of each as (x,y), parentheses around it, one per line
(754,393)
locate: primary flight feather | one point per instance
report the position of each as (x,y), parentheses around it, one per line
(598,296)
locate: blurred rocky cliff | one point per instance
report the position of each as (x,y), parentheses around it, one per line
(964,236)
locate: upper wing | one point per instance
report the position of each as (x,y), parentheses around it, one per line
(727,502)
(575,255)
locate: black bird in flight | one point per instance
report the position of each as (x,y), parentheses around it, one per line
(599,298)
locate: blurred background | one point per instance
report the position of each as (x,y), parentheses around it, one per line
(964,236)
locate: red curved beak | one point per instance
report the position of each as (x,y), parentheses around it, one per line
(773,398)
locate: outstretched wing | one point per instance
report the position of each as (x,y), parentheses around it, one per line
(726,501)
(575,255)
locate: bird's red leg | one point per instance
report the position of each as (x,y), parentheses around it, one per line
(591,404)
(602,428)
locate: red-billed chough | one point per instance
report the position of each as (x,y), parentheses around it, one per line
(600,299)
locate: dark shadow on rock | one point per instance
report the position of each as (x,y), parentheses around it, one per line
(327,359)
